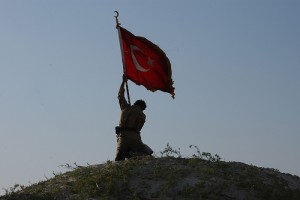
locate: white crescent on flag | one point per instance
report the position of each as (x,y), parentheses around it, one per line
(136,63)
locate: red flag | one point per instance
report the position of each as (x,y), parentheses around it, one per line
(145,63)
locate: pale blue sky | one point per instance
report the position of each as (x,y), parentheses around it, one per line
(235,67)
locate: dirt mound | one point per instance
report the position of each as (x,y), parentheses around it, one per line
(165,178)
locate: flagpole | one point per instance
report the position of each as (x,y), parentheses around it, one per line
(122,53)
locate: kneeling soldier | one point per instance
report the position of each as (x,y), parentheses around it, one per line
(131,122)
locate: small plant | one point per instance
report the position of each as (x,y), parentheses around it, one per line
(170,152)
(198,151)
(205,155)
(13,189)
(70,167)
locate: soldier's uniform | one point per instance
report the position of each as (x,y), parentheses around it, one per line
(128,132)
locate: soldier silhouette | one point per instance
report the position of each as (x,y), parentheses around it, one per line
(129,142)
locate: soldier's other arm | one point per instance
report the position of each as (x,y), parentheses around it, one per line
(122,101)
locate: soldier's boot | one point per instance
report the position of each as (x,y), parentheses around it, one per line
(120,156)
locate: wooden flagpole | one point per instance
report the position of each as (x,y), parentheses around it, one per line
(122,53)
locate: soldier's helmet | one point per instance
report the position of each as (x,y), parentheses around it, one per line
(141,104)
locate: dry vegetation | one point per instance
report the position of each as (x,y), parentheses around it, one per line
(170,176)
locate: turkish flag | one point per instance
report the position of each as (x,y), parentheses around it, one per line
(145,63)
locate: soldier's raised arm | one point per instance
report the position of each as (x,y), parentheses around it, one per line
(122,101)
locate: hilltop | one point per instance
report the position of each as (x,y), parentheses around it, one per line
(199,177)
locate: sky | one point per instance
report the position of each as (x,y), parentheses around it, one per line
(236,72)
